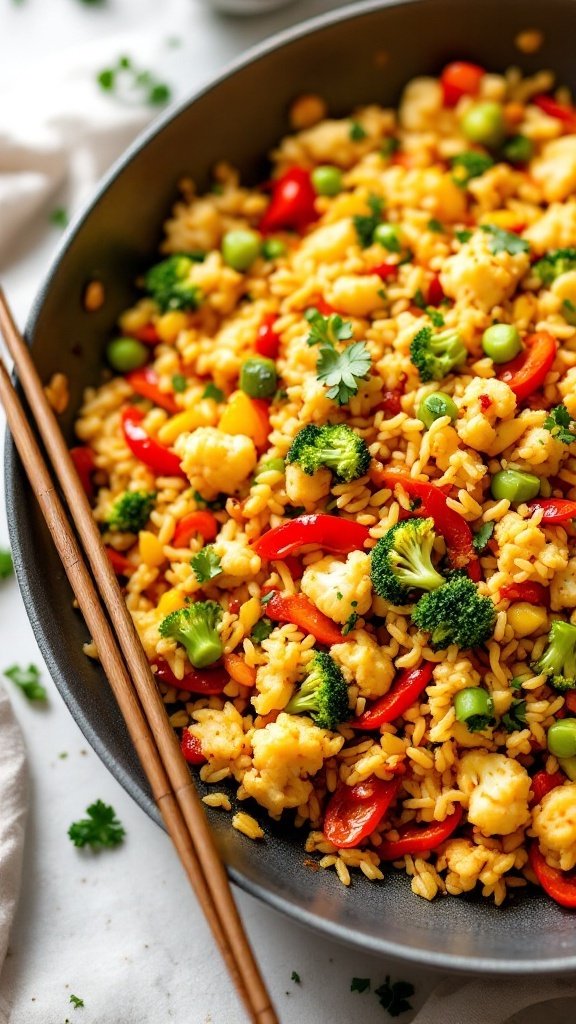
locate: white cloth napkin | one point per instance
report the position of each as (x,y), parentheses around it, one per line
(13,805)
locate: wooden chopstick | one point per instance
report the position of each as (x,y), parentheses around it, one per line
(150,730)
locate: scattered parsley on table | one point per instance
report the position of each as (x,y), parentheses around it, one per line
(100,829)
(28,680)
(295,977)
(394,996)
(360,985)
(76,1001)
(6,564)
(125,80)
(59,217)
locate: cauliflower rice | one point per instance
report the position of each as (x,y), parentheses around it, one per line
(444,272)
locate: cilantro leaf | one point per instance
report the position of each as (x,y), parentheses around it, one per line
(295,977)
(179,383)
(394,997)
(262,629)
(100,828)
(211,391)
(76,1002)
(463,236)
(206,564)
(28,680)
(515,717)
(6,564)
(127,81)
(504,241)
(59,217)
(482,536)
(326,330)
(357,132)
(360,985)
(469,165)
(366,224)
(215,505)
(342,371)
(435,226)
(350,623)
(561,424)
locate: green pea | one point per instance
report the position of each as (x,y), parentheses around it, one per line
(125,354)
(276,465)
(514,485)
(327,180)
(272,248)
(240,248)
(562,738)
(388,235)
(518,149)
(474,706)
(484,123)
(568,765)
(501,342)
(435,405)
(258,378)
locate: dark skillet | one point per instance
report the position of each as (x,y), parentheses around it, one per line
(240,117)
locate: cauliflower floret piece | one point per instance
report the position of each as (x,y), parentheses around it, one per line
(555,168)
(340,588)
(464,861)
(477,276)
(236,558)
(364,662)
(567,388)
(554,823)
(307,490)
(216,462)
(524,552)
(555,229)
(223,740)
(538,447)
(497,788)
(420,105)
(483,404)
(356,295)
(275,680)
(286,753)
(563,587)
(328,243)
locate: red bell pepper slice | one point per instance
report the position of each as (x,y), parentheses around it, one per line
(206,681)
(353,812)
(570,701)
(405,691)
(83,458)
(202,522)
(329,532)
(454,529)
(559,885)
(385,271)
(191,748)
(267,339)
(435,294)
(554,510)
(118,561)
(561,111)
(298,609)
(543,783)
(533,593)
(526,373)
(146,334)
(460,79)
(391,401)
(293,202)
(159,459)
(145,383)
(420,838)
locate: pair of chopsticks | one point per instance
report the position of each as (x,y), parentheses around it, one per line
(126,666)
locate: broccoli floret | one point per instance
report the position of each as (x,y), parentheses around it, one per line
(455,613)
(554,263)
(195,627)
(169,285)
(131,511)
(558,661)
(401,561)
(323,694)
(435,355)
(335,446)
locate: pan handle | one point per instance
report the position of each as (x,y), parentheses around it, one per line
(490,1000)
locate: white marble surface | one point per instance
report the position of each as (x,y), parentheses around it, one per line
(121,930)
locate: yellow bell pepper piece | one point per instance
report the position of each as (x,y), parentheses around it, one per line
(169,325)
(203,414)
(505,219)
(151,550)
(172,601)
(243,416)
(526,618)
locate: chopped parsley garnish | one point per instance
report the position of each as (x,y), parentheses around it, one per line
(394,997)
(342,372)
(356,132)
(360,985)
(59,217)
(366,224)
(435,225)
(466,166)
(295,977)
(389,147)
(504,241)
(127,81)
(206,564)
(350,623)
(179,383)
(75,1000)
(291,511)
(215,505)
(28,680)
(6,564)
(463,236)
(561,424)
(327,330)
(262,630)
(435,316)
(211,391)
(515,717)
(482,536)
(101,828)
(569,312)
